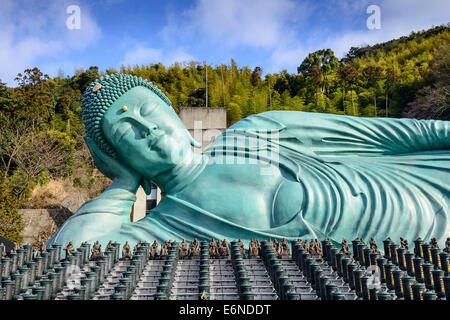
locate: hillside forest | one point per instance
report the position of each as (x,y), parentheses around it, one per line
(41,131)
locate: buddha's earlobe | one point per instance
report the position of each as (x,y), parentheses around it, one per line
(146,186)
(194,143)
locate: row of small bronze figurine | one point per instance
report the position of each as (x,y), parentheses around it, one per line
(96,251)
(216,248)
(221,248)
(314,247)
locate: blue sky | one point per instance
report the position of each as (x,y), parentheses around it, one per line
(272,34)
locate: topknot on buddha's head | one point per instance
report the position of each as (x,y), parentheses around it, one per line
(100,95)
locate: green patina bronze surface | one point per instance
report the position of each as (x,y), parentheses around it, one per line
(278,174)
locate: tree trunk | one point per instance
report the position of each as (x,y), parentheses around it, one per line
(343,99)
(375,102)
(353,105)
(321,94)
(253,101)
(270,96)
(317,97)
(387,113)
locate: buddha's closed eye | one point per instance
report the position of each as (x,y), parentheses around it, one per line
(123,129)
(148,107)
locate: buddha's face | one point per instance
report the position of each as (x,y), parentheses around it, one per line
(146,133)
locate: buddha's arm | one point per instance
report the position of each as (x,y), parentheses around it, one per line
(102,215)
(328,134)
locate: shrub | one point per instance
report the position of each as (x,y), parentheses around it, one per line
(11,224)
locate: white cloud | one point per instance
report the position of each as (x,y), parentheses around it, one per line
(179,55)
(341,44)
(141,55)
(407,15)
(144,55)
(271,26)
(398,18)
(37,30)
(286,58)
(236,22)
(247,22)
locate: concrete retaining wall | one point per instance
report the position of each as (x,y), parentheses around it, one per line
(204,124)
(41,222)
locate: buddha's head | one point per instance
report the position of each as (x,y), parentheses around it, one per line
(132,121)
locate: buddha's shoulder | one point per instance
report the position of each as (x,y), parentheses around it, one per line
(265,120)
(277,119)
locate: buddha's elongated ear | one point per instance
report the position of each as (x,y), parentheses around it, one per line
(194,143)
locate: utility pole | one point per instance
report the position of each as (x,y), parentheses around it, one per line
(270,96)
(223,90)
(206,67)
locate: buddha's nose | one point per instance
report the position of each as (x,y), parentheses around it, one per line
(150,129)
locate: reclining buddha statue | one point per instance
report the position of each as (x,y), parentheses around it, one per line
(277,174)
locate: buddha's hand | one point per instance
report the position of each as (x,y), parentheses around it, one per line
(122,175)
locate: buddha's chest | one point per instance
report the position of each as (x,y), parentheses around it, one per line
(247,196)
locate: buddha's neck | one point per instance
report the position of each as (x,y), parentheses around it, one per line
(183,174)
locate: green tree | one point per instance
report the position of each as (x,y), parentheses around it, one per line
(315,76)
(33,93)
(8,105)
(11,224)
(27,152)
(256,76)
(282,82)
(325,60)
(83,78)
(234,112)
(388,85)
(372,75)
(349,76)
(433,101)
